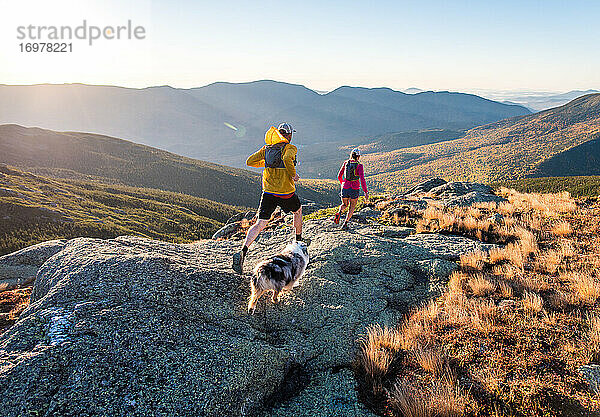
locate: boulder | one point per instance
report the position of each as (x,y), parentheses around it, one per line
(472,198)
(397,232)
(457,188)
(365,214)
(227,230)
(20,268)
(448,247)
(331,393)
(402,205)
(132,326)
(591,373)
(425,186)
(248,215)
(464,194)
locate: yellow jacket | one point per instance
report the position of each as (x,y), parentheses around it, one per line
(276,180)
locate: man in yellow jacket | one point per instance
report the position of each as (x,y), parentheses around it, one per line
(278,158)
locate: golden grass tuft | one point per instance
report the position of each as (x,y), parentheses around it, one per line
(510,253)
(378,349)
(547,205)
(474,212)
(527,241)
(559,300)
(409,401)
(532,302)
(431,360)
(535,282)
(443,398)
(506,291)
(469,223)
(427,313)
(562,229)
(585,288)
(549,262)
(593,336)
(481,286)
(447,399)
(456,282)
(414,333)
(473,260)
(483,315)
(506,208)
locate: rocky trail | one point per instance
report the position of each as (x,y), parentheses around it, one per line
(132,326)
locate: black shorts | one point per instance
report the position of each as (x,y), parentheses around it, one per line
(269,202)
(349,193)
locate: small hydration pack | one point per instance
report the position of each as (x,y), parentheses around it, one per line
(274,155)
(351,171)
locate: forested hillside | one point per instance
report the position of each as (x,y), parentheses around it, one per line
(89,156)
(510,149)
(35,209)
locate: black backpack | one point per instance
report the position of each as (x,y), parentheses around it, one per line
(274,155)
(351,171)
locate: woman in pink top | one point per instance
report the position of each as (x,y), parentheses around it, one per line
(351,176)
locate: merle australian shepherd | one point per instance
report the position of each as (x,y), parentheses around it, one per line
(281,272)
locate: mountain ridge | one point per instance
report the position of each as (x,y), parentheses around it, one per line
(105,158)
(505,150)
(224,122)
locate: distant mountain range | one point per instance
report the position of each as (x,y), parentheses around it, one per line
(223,122)
(562,141)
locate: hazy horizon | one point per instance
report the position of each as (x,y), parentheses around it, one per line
(476,91)
(439,46)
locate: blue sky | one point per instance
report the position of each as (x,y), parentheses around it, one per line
(455,45)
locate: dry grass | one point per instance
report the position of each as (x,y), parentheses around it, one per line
(428,313)
(532,303)
(432,361)
(474,260)
(441,399)
(593,337)
(506,291)
(456,283)
(409,401)
(379,347)
(415,333)
(550,262)
(535,282)
(447,398)
(548,204)
(507,271)
(527,306)
(481,286)
(12,304)
(566,249)
(483,315)
(562,229)
(585,288)
(527,241)
(510,253)
(559,300)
